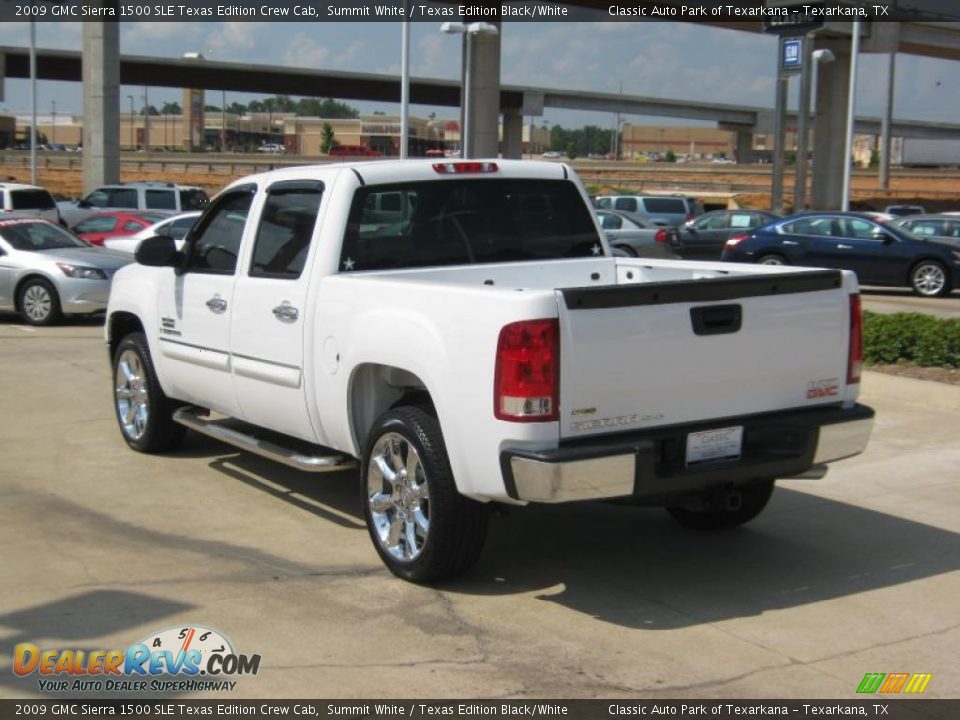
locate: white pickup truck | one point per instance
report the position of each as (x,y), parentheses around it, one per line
(463,330)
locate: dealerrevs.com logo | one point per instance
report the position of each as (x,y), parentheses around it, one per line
(178,659)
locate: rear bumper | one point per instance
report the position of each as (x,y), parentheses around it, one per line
(651,465)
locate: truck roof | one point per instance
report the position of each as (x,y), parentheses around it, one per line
(378,172)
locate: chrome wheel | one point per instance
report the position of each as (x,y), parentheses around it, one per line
(929,279)
(398,497)
(37,303)
(131,394)
(771,260)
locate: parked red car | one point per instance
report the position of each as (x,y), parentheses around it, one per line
(94,228)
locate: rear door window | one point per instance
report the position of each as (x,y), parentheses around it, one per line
(627,204)
(286,227)
(161,199)
(671,206)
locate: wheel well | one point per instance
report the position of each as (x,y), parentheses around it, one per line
(374,389)
(119,325)
(26,279)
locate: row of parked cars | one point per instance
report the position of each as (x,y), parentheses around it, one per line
(59,258)
(893,248)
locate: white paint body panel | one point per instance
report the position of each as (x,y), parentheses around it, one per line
(441,326)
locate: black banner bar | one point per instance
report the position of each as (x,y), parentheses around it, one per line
(173,709)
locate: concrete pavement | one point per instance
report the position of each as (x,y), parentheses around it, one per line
(101,547)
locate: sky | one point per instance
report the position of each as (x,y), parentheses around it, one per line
(659,59)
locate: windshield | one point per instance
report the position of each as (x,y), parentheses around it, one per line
(458,222)
(38,236)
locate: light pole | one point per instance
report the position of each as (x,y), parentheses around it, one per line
(33,103)
(851,102)
(223,121)
(404,86)
(132,143)
(53,121)
(146,120)
(470,30)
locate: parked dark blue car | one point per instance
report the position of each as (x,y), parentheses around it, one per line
(879,253)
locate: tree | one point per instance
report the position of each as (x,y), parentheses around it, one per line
(171,108)
(237,108)
(572,150)
(326,138)
(211,108)
(671,156)
(151,110)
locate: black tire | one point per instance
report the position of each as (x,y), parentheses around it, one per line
(929,278)
(39,302)
(753,499)
(456,527)
(155,431)
(772,259)
(628,250)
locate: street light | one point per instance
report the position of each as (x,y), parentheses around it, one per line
(470,30)
(132,143)
(53,122)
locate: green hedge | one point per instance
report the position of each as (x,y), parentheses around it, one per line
(911,337)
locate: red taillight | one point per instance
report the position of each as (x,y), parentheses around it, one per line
(98,241)
(526,384)
(736,240)
(855,356)
(463,168)
(690,216)
(661,235)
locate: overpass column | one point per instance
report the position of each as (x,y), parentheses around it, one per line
(101,104)
(512,133)
(484,103)
(829,131)
(744,147)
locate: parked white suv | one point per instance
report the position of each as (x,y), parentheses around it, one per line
(135,196)
(18,200)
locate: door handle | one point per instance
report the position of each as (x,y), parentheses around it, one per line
(217,304)
(286,312)
(790,242)
(844,247)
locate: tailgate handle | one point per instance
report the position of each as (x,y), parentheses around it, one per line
(716,319)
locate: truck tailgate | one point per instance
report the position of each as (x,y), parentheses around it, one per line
(647,355)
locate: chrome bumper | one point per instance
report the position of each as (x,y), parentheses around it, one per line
(783,445)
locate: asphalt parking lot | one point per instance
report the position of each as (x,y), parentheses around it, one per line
(852,574)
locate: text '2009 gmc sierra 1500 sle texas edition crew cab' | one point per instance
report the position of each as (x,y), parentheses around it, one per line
(462,329)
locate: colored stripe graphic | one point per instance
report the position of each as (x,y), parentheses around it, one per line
(894,683)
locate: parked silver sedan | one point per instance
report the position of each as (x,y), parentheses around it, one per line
(629,234)
(46,272)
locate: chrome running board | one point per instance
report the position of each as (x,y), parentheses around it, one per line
(245,439)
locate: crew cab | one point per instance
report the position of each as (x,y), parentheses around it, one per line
(462,332)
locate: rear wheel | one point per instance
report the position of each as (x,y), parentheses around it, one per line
(39,302)
(929,279)
(772,259)
(628,250)
(421,526)
(725,510)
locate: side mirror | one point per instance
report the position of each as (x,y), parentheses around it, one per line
(885,237)
(158,251)
(83,204)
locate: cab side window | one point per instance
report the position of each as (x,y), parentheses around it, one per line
(286,227)
(161,200)
(215,243)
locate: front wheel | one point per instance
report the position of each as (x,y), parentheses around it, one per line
(421,526)
(39,302)
(929,279)
(144,412)
(716,513)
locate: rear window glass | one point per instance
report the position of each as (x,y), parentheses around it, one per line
(673,206)
(459,222)
(31,200)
